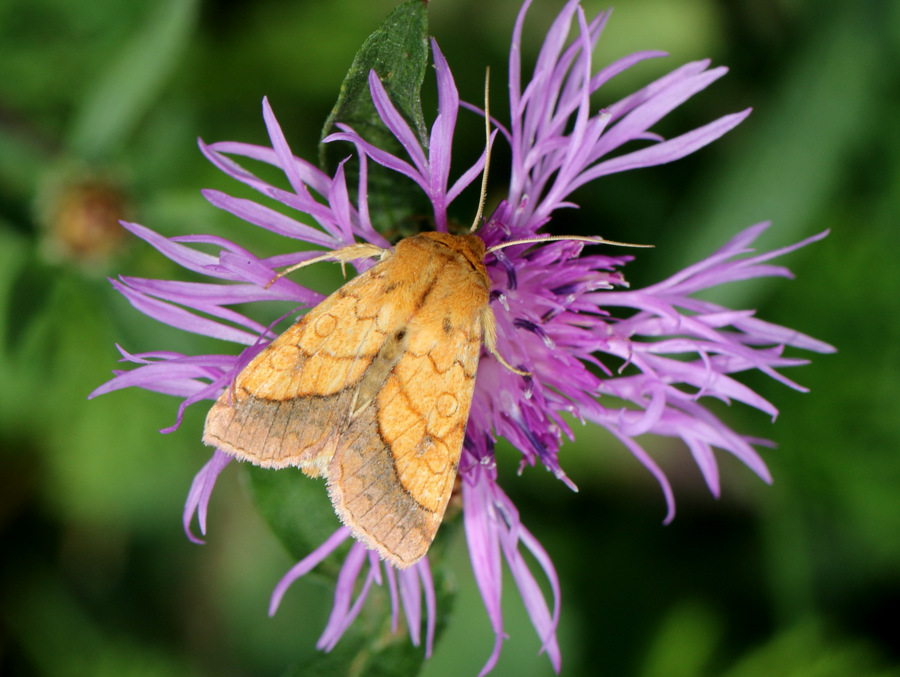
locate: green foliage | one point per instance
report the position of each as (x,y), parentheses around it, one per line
(398,53)
(119,98)
(808,650)
(370,649)
(296,509)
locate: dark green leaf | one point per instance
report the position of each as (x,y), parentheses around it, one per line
(369,649)
(296,508)
(338,661)
(299,513)
(398,53)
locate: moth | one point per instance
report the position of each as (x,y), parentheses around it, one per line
(371,389)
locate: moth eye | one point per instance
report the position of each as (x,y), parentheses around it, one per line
(400,334)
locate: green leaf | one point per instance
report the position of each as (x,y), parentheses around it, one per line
(299,512)
(369,649)
(120,97)
(398,53)
(338,661)
(296,508)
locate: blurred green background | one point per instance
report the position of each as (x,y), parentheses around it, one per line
(100,107)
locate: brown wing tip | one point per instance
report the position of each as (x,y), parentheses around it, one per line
(399,559)
(402,549)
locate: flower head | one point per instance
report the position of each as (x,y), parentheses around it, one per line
(634,361)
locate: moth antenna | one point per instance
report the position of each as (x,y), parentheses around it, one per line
(487,149)
(489,324)
(362,250)
(506,364)
(574,238)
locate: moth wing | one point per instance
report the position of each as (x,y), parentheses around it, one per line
(372,389)
(393,494)
(289,405)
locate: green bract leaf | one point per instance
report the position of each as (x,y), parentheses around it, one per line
(369,649)
(295,507)
(298,511)
(398,53)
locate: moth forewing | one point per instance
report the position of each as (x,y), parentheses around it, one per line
(385,360)
(372,389)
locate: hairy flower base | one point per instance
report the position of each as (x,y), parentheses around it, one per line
(633,361)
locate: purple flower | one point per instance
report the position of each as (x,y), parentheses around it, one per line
(557,310)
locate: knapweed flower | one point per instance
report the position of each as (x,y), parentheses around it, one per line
(634,361)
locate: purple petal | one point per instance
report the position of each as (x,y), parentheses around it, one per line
(353,612)
(339,199)
(411,598)
(666,151)
(154,375)
(424,570)
(311,175)
(394,121)
(343,593)
(281,148)
(470,174)
(182,319)
(186,257)
(441,139)
(381,157)
(607,73)
(484,552)
(391,575)
(267,218)
(305,565)
(533,598)
(200,491)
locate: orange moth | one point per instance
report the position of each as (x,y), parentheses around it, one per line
(371,389)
